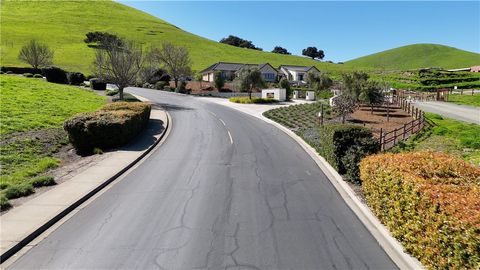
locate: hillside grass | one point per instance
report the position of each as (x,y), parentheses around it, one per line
(32,112)
(457,138)
(417,56)
(465,99)
(63,25)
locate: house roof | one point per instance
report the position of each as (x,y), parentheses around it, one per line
(225,66)
(298,68)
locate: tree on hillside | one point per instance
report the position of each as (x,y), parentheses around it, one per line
(36,54)
(239,42)
(344,105)
(313,53)
(119,63)
(175,60)
(218,80)
(372,94)
(102,39)
(247,79)
(353,83)
(280,50)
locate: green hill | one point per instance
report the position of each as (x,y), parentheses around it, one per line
(63,25)
(417,56)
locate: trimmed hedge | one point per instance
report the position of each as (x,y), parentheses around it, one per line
(253,100)
(113,125)
(20,70)
(430,202)
(98,84)
(28,75)
(75,78)
(55,75)
(37,76)
(343,146)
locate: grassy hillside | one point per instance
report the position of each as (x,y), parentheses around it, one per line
(63,25)
(32,112)
(417,56)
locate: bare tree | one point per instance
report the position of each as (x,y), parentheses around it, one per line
(345,105)
(36,54)
(175,60)
(119,63)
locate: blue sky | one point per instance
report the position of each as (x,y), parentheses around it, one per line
(344,30)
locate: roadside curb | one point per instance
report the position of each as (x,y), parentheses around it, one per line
(37,232)
(389,244)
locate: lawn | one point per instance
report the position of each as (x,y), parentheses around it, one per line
(32,112)
(465,99)
(453,137)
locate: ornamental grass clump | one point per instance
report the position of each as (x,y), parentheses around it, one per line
(430,202)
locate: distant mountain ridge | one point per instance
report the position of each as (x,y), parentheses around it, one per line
(417,56)
(63,25)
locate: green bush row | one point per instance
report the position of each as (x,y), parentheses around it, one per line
(113,125)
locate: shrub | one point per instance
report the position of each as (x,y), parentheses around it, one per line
(28,75)
(20,70)
(167,88)
(4,204)
(42,181)
(55,75)
(111,92)
(76,78)
(37,76)
(182,87)
(253,100)
(98,84)
(113,125)
(18,190)
(9,72)
(1,72)
(160,85)
(147,85)
(343,146)
(218,80)
(430,202)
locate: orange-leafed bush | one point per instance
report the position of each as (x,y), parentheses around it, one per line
(430,202)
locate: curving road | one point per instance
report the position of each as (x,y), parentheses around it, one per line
(224,191)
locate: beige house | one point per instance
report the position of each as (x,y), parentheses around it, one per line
(228,70)
(296,74)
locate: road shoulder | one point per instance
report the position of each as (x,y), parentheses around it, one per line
(391,246)
(24,223)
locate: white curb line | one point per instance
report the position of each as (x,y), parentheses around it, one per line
(391,246)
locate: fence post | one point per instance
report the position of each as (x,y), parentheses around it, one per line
(381,143)
(404,130)
(394,136)
(416,113)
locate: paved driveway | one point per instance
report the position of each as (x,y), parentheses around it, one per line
(224,191)
(459,112)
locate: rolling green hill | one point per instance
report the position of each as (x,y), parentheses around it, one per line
(417,56)
(63,25)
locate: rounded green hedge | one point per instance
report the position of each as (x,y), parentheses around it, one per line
(113,125)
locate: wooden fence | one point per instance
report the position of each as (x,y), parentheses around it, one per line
(391,138)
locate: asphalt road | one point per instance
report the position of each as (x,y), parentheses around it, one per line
(225,191)
(451,110)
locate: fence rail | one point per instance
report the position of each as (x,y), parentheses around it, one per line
(391,138)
